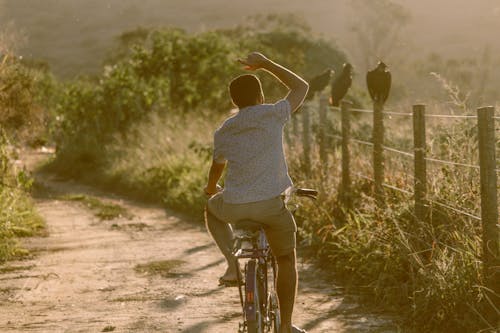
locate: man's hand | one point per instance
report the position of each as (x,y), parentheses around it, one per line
(254,61)
(211,191)
(297,86)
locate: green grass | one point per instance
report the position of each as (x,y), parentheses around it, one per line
(9,269)
(136,298)
(102,210)
(164,268)
(18,218)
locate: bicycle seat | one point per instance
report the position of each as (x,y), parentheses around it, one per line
(248,225)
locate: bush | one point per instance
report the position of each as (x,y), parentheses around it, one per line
(170,72)
(17,216)
(166,168)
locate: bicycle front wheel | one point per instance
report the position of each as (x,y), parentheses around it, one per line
(253,313)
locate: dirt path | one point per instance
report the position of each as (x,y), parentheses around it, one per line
(84,276)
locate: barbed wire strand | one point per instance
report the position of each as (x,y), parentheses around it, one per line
(398,151)
(408,114)
(411,193)
(361,142)
(361,110)
(435,160)
(455,210)
(383,184)
(366,143)
(450,116)
(397,189)
(390,113)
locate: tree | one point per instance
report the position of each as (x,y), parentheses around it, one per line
(378,31)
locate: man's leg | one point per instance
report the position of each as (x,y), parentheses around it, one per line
(286,286)
(223,235)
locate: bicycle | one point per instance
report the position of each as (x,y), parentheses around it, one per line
(257,289)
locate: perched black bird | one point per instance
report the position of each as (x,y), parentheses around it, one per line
(378,81)
(318,83)
(341,85)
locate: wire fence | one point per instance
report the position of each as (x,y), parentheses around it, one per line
(346,137)
(482,204)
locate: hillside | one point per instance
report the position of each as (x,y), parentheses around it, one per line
(73,36)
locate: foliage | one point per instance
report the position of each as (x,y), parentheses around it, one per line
(167,168)
(169,71)
(26,92)
(17,216)
(378,30)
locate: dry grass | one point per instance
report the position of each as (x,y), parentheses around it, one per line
(17,215)
(429,270)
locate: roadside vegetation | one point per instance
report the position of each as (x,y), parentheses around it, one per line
(17,215)
(22,121)
(431,272)
(144,126)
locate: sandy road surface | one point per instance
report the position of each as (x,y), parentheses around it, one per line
(82,277)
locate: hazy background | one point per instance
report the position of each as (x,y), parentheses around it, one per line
(74,35)
(456,38)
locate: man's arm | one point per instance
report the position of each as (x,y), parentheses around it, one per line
(298,86)
(213,177)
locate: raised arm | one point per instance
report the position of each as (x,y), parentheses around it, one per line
(297,86)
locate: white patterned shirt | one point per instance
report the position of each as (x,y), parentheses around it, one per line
(252,144)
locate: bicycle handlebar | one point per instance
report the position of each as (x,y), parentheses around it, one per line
(306,192)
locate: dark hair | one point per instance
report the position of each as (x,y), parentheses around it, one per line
(245,90)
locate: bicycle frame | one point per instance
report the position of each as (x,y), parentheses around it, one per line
(254,247)
(260,308)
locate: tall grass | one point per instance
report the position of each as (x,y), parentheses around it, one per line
(166,158)
(429,271)
(17,215)
(23,121)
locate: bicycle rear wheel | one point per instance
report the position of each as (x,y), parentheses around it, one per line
(253,313)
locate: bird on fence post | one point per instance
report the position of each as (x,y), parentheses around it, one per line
(378,81)
(318,83)
(341,85)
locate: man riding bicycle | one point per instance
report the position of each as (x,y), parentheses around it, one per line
(250,143)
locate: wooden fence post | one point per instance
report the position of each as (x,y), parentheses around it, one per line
(323,105)
(346,159)
(489,204)
(420,168)
(378,152)
(306,140)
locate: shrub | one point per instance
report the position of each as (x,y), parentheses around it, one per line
(17,215)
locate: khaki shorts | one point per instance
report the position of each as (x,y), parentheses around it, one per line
(277,221)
